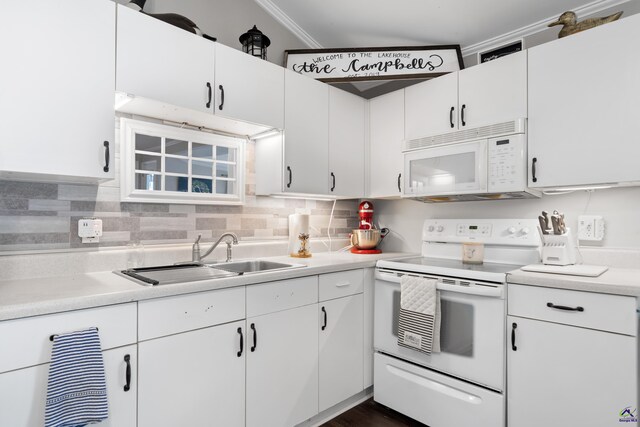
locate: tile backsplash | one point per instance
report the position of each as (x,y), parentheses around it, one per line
(44,216)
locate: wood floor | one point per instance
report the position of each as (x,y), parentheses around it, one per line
(372,414)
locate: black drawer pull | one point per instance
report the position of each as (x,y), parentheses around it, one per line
(241,342)
(255,337)
(333,177)
(290,177)
(325,319)
(451,116)
(106,156)
(564,307)
(533,169)
(462,115)
(399,179)
(221,106)
(127,360)
(208,104)
(514,326)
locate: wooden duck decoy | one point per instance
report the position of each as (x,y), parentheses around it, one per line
(171,18)
(570,23)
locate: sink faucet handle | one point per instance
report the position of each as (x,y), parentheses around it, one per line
(228,250)
(198,239)
(195,250)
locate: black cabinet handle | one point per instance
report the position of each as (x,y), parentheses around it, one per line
(106,156)
(208,105)
(533,169)
(451,116)
(333,186)
(255,337)
(514,326)
(325,319)
(241,342)
(290,177)
(221,97)
(564,307)
(127,386)
(399,179)
(462,115)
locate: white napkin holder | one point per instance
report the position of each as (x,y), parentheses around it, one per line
(558,249)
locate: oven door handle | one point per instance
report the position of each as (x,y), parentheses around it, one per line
(484,291)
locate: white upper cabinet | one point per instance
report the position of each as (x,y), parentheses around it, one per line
(583,95)
(306,140)
(57,90)
(386,133)
(161,62)
(493,92)
(248,88)
(346,143)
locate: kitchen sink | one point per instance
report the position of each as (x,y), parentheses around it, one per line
(253,266)
(175,273)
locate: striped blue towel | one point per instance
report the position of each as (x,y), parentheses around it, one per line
(77,389)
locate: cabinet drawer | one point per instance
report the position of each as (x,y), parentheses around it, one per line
(171,315)
(25,342)
(613,313)
(343,283)
(282,295)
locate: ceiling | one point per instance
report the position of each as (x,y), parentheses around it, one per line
(469,23)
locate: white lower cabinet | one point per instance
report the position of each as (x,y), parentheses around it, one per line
(282,367)
(193,378)
(341,349)
(560,373)
(23,392)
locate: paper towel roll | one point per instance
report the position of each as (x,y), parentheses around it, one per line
(298,224)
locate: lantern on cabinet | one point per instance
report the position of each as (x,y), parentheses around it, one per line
(255,43)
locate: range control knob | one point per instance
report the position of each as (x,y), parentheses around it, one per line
(525,231)
(431,228)
(511,230)
(440,229)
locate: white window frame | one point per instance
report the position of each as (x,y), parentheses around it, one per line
(129,128)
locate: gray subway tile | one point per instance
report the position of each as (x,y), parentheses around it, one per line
(253,223)
(211,223)
(33,238)
(49,205)
(34,224)
(28,190)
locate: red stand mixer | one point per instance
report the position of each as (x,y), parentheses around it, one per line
(366,237)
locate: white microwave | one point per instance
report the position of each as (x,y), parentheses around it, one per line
(488,168)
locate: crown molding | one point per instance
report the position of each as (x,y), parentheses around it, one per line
(586,10)
(289,23)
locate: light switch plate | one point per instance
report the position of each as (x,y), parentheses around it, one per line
(591,228)
(90,230)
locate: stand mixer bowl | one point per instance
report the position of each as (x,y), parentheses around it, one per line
(367,239)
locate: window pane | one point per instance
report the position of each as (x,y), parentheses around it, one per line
(203,151)
(176,183)
(173,165)
(148,143)
(225,187)
(224,170)
(148,181)
(177,147)
(226,154)
(199,167)
(148,163)
(200,185)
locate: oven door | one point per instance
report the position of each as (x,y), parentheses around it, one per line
(450,169)
(472,329)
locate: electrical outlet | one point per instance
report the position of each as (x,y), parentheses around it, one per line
(90,230)
(590,228)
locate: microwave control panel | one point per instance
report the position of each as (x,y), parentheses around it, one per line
(507,163)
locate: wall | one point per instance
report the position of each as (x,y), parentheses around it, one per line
(228,19)
(44,216)
(620,208)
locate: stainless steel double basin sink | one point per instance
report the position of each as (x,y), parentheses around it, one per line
(190,272)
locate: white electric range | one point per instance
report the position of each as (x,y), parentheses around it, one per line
(464,384)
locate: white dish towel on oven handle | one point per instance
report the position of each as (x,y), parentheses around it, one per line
(419,316)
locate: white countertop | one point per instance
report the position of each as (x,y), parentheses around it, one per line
(618,281)
(36,296)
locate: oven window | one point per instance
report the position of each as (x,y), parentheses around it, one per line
(456,325)
(443,172)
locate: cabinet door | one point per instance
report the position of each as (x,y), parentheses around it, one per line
(386,132)
(282,367)
(341,346)
(346,144)
(431,107)
(194,378)
(583,94)
(306,141)
(563,375)
(57,82)
(161,62)
(23,392)
(493,92)
(248,88)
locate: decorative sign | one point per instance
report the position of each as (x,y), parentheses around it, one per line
(377,63)
(501,51)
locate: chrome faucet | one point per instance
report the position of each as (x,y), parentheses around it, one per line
(195,251)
